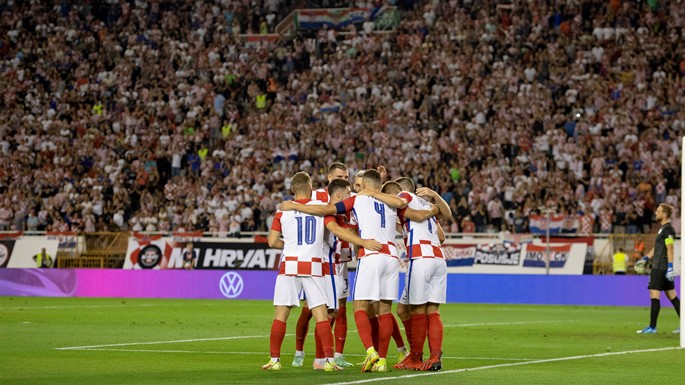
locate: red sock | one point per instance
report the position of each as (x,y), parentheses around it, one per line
(435,333)
(396,332)
(323,331)
(407,330)
(363,328)
(340,329)
(319,345)
(276,337)
(385,333)
(418,333)
(374,331)
(302,328)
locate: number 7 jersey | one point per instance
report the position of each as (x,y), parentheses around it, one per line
(374,220)
(303,237)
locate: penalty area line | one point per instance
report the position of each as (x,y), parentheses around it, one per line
(543,361)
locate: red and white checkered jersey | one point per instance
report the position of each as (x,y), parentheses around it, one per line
(321,195)
(374,220)
(344,252)
(303,238)
(421,238)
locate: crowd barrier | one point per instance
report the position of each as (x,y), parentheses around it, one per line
(251,284)
(467,254)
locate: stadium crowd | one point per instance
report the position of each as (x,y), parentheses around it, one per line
(157,116)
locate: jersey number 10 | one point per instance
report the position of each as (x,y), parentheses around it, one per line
(309,229)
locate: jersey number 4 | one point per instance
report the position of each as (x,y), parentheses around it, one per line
(308,229)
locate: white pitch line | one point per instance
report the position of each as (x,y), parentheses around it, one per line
(265,353)
(265,336)
(161,342)
(500,324)
(570,358)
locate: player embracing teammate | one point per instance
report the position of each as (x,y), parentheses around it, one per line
(375,216)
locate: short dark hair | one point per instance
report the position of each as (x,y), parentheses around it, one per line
(389,186)
(372,176)
(301,182)
(406,183)
(337,185)
(337,166)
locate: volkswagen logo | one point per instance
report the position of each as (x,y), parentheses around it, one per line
(231,285)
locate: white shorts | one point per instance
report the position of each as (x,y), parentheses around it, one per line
(425,281)
(331,292)
(377,278)
(288,288)
(342,281)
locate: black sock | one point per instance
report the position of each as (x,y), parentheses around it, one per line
(676,304)
(656,306)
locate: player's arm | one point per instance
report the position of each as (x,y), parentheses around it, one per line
(420,215)
(388,199)
(424,192)
(348,236)
(275,241)
(441,234)
(318,210)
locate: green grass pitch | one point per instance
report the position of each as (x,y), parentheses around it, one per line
(131,341)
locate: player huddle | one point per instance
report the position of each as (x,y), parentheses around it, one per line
(319,232)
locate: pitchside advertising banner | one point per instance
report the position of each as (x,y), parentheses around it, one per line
(160,253)
(497,257)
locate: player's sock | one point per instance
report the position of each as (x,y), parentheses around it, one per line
(374,331)
(340,329)
(384,334)
(654,314)
(435,333)
(319,344)
(323,330)
(407,330)
(276,338)
(676,305)
(396,332)
(363,323)
(418,332)
(302,328)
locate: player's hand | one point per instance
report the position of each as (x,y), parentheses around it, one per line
(384,173)
(641,264)
(425,192)
(670,274)
(371,244)
(288,206)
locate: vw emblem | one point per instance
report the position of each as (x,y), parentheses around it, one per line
(231,285)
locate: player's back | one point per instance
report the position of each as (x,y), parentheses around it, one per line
(421,238)
(375,220)
(303,237)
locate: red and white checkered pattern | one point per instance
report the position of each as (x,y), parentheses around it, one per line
(387,249)
(421,238)
(296,266)
(299,257)
(425,249)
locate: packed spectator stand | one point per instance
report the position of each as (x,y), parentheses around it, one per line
(158,116)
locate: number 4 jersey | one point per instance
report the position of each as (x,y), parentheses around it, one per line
(374,220)
(303,238)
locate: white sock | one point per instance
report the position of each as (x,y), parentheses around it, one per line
(299,353)
(336,355)
(275,359)
(320,361)
(402,349)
